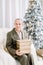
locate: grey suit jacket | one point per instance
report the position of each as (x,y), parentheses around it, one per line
(12,36)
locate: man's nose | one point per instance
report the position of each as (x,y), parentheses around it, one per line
(18,25)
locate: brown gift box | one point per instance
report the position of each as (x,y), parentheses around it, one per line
(24,45)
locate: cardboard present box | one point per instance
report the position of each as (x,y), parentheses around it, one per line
(24,45)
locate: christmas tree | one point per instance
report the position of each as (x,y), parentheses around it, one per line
(34,23)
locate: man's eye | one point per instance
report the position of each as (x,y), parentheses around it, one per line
(18,24)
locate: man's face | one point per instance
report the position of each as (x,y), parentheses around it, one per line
(18,25)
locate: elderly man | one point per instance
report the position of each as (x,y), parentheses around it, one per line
(12,37)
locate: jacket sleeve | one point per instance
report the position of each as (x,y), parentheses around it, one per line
(9,45)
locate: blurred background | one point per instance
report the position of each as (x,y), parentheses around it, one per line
(11,9)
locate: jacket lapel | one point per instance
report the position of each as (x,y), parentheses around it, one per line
(14,35)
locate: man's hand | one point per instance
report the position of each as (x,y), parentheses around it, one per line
(19,53)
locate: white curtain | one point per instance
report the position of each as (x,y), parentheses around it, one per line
(11,9)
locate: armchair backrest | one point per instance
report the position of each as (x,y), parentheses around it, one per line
(3,36)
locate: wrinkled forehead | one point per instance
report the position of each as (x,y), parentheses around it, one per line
(18,21)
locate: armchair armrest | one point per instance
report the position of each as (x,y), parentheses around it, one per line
(5,49)
(40,52)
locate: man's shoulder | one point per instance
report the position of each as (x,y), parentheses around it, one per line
(11,31)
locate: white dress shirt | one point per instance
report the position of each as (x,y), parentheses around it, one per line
(20,35)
